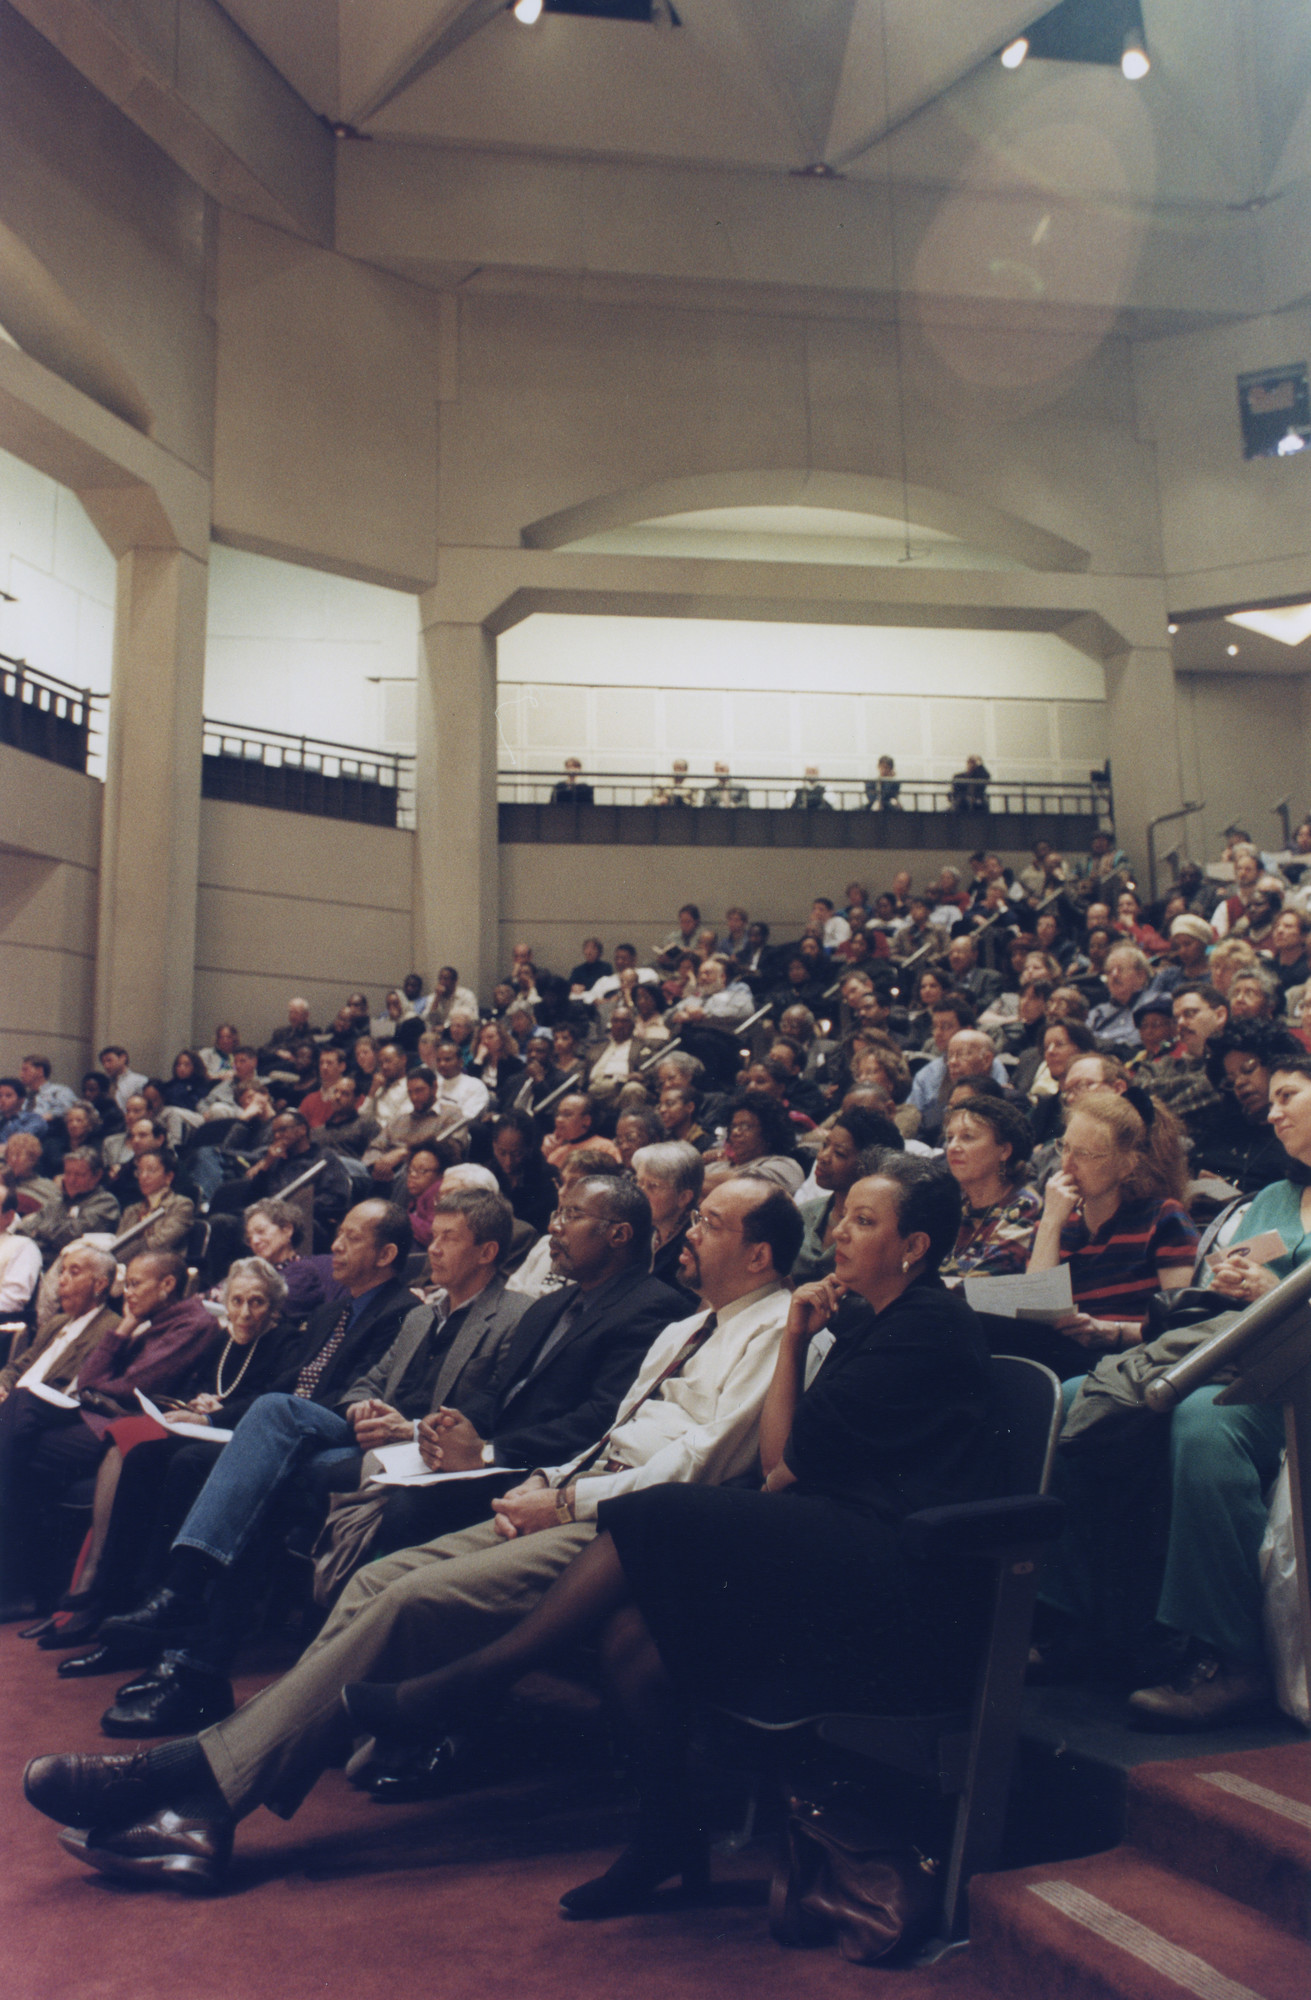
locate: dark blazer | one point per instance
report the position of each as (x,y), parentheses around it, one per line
(545,1412)
(465,1362)
(372,1334)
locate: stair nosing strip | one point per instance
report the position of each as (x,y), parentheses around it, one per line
(1259,1795)
(1194,1974)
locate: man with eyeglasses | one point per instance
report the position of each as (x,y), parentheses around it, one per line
(692,1414)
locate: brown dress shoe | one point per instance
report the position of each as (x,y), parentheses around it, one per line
(90,1791)
(185,1850)
(1207,1694)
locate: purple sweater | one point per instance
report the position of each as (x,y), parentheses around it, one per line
(159,1360)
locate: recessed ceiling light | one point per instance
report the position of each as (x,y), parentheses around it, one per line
(1135,62)
(1289,623)
(1015,52)
(1232,652)
(527,11)
(1172,628)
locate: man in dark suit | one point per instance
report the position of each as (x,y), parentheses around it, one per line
(269,1448)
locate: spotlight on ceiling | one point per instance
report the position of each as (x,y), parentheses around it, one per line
(1015,52)
(1232,652)
(1135,62)
(527,11)
(1290,442)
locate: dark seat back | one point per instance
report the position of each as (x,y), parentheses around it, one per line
(1025,1409)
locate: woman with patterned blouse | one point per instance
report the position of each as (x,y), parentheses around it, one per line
(988,1143)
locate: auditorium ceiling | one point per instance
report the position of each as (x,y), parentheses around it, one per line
(1222,120)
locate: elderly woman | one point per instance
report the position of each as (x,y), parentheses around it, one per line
(1254,994)
(988,1143)
(81,1124)
(145,1487)
(797,1598)
(170,1215)
(670,1174)
(275,1230)
(841,1161)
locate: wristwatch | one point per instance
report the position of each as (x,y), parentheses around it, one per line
(488,1454)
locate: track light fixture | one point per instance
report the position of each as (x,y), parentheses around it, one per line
(527,11)
(1135,62)
(1015,52)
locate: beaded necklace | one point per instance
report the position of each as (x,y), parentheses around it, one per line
(219,1390)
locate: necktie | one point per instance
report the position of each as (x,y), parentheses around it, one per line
(312,1373)
(675,1367)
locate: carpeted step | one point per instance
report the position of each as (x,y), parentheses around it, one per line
(1240,1824)
(1118,1926)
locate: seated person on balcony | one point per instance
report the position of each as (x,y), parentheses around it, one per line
(882,794)
(691,1416)
(13,1118)
(675,791)
(724,792)
(449,996)
(568,791)
(171,1215)
(22,1157)
(390,1147)
(969,788)
(810,795)
(20,1260)
(47,1099)
(116,1064)
(79,1207)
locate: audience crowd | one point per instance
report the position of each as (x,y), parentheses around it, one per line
(635,1248)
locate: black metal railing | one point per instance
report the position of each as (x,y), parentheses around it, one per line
(45,716)
(307,774)
(1046,797)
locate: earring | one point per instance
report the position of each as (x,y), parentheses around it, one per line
(905,1263)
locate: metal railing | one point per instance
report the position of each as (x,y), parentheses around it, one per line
(1089,797)
(307,774)
(46,716)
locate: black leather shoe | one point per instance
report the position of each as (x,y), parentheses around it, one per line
(180,1700)
(182,1849)
(162,1618)
(424,1774)
(39,1630)
(96,1660)
(90,1791)
(632,1880)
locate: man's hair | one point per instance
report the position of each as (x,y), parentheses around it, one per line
(928,1198)
(1204,990)
(624,1202)
(165,1264)
(957,1004)
(112,1049)
(870,1128)
(390,1224)
(88,1155)
(442,970)
(103,1262)
(424,1074)
(825,902)
(39,1062)
(300,1119)
(651,1124)
(775,1220)
(15,1084)
(489,1216)
(1129,954)
(627,947)
(520,1122)
(690,910)
(244,1049)
(168,1159)
(590,1163)
(584,1100)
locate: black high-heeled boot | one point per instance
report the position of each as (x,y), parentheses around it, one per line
(632,1879)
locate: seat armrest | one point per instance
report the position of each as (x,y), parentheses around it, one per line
(982,1527)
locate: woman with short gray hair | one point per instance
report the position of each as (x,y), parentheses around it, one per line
(670,1175)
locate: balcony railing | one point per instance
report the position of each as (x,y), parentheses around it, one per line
(307,774)
(45,716)
(1027,797)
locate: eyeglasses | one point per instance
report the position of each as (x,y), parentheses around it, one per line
(1077,1156)
(1247,1068)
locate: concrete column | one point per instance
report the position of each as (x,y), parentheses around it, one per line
(1143,734)
(456,852)
(150,836)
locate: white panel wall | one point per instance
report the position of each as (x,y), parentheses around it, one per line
(299,650)
(59,576)
(629,695)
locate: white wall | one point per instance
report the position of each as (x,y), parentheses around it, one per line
(300,650)
(1242,739)
(630,694)
(60,576)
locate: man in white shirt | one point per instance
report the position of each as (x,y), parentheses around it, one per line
(48,1100)
(459,1095)
(716,998)
(625,960)
(610,1071)
(836,929)
(20,1260)
(117,1065)
(449,997)
(395,1098)
(692,1414)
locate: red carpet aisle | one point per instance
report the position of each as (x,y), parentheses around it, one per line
(355,1900)
(1210,1896)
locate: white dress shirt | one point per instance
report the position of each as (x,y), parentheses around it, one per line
(464,1095)
(702,1426)
(20,1271)
(59,1345)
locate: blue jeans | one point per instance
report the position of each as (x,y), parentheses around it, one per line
(275,1438)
